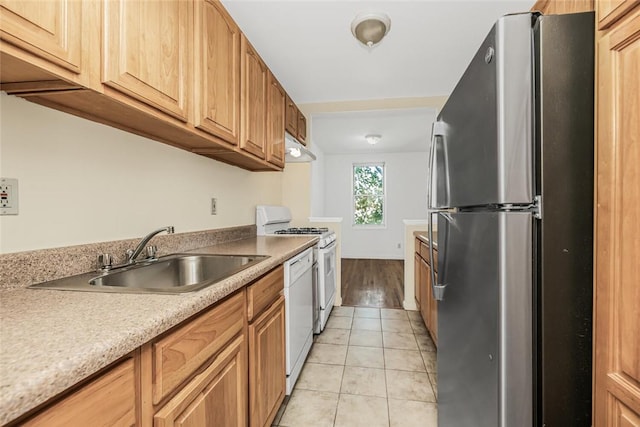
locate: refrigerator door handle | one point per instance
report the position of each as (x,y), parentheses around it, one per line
(438,289)
(437,134)
(437,137)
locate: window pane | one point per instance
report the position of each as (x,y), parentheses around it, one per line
(368,210)
(368,194)
(368,180)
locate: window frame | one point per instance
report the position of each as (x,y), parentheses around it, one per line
(384,195)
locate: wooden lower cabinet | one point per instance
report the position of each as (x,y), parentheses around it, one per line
(267,364)
(417,271)
(427,304)
(107,400)
(433,315)
(216,397)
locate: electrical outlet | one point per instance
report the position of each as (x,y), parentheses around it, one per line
(214,206)
(399,245)
(8,196)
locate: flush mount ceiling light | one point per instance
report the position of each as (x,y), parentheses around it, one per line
(372,139)
(370,28)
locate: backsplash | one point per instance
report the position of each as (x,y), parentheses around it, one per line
(21,269)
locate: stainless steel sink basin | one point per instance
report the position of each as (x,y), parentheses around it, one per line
(173,274)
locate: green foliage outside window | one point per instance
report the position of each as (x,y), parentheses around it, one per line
(368,194)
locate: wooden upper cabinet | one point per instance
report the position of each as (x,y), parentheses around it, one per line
(49,29)
(617,252)
(291,117)
(217,71)
(610,11)
(276,100)
(302,128)
(555,7)
(253,90)
(147,52)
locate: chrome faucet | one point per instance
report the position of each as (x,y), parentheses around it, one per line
(132,254)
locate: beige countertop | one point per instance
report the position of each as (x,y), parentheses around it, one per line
(51,340)
(424,236)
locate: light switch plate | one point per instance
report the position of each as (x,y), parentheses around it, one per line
(8,196)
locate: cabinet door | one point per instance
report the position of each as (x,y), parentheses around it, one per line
(216,397)
(425,292)
(610,11)
(617,248)
(267,370)
(291,117)
(110,399)
(147,52)
(217,71)
(417,271)
(253,87)
(49,29)
(302,128)
(276,99)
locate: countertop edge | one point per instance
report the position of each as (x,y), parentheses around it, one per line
(423,236)
(21,397)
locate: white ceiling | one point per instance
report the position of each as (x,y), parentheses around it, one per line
(401,130)
(309,47)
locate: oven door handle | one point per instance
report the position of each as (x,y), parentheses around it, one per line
(329,246)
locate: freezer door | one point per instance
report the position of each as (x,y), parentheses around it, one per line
(483,138)
(485,356)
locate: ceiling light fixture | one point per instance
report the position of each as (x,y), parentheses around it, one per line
(372,139)
(370,28)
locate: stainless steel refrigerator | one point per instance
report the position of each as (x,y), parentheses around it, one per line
(512,159)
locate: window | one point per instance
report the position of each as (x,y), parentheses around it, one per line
(368,194)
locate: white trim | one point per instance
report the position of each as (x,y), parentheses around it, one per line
(325,219)
(415,221)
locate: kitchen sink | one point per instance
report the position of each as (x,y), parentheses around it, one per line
(173,274)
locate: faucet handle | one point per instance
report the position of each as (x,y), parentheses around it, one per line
(105,262)
(151,251)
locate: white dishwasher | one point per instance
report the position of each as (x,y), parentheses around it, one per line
(298,294)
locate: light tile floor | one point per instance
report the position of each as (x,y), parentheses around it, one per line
(370,367)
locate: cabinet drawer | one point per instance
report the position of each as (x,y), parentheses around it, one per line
(418,244)
(110,398)
(424,252)
(179,354)
(264,292)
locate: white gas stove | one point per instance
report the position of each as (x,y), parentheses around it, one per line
(275,221)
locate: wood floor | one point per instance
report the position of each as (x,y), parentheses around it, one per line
(372,283)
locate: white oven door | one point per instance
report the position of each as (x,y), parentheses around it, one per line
(327,281)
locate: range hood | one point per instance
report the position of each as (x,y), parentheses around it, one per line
(296,152)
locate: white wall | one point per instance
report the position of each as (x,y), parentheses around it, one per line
(406,189)
(317,183)
(82,182)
